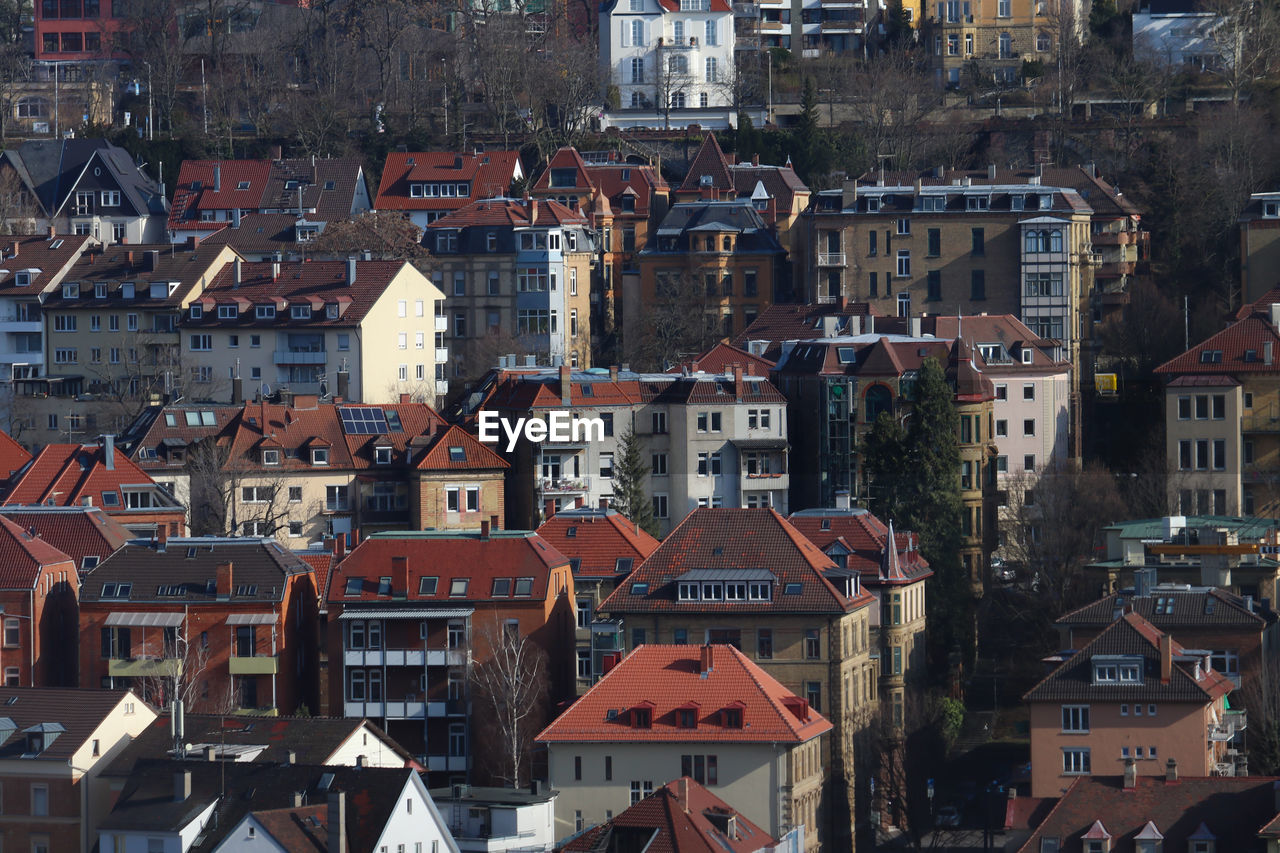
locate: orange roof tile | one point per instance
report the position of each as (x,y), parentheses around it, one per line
(863,536)
(12,456)
(489,174)
(442,454)
(1239,348)
(63,474)
(23,555)
(596,540)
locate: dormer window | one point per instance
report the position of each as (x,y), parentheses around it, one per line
(687,716)
(415,191)
(732,718)
(1114,669)
(197,312)
(642,718)
(270,456)
(228,312)
(873,204)
(300,312)
(69,291)
(99,291)
(977,202)
(1027,355)
(319,456)
(382,455)
(331,311)
(127,290)
(265,312)
(1271,209)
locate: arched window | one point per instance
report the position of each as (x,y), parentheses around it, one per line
(1042,42)
(32,106)
(878,399)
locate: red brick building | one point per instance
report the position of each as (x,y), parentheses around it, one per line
(225,624)
(78,29)
(86,534)
(38,585)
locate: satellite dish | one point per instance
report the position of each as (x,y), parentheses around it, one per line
(266,390)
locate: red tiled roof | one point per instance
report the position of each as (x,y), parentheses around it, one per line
(258,233)
(668,678)
(732,540)
(22,556)
(864,536)
(439,456)
(520,391)
(328,188)
(12,456)
(189,201)
(62,474)
(490,174)
(599,539)
(509,212)
(642,181)
(710,159)
(676,818)
(565,158)
(509,554)
(43,253)
(78,532)
(301,828)
(722,358)
(322,562)
(1229,350)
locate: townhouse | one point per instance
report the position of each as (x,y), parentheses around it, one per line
(515,274)
(710,440)
(603,547)
(306,326)
(32,266)
(86,534)
(996,36)
(411,615)
(889,567)
(1222,404)
(86,187)
(212,194)
(426,185)
(54,744)
(225,625)
(748,578)
(1022,248)
(838,386)
(1259,246)
(1240,634)
(37,611)
(623,203)
(69,475)
(1133,695)
(715,258)
(705,712)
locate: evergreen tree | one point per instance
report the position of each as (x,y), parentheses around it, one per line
(629,496)
(810,145)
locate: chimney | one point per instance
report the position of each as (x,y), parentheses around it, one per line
(755,159)
(109,452)
(153,259)
(1171,771)
(235,217)
(210,753)
(1268,352)
(708,660)
(237,391)
(684,793)
(564,385)
(604,503)
(484,528)
(193,242)
(351,271)
(339,546)
(737,381)
(1130,773)
(1143,580)
(129,256)
(1275,315)
(915,327)
(297,796)
(1166,658)
(277,153)
(291,757)
(842,499)
(237,271)
(613,373)
(336,820)
(344,384)
(549,509)
(181,786)
(362,761)
(14,247)
(217,177)
(533,212)
(400,575)
(162,537)
(275,268)
(223,575)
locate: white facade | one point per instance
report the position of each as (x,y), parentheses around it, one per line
(1177,39)
(139,841)
(512,821)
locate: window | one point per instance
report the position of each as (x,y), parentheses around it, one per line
(1029,427)
(659,421)
(1075,761)
(201,343)
(764,643)
(812,644)
(659,506)
(658,465)
(40,800)
(1075,718)
(640,790)
(934,285)
(904,263)
(712,75)
(703,769)
(813,694)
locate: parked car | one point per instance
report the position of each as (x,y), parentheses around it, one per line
(948,816)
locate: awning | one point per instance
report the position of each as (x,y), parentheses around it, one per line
(144,620)
(759,443)
(424,613)
(727,575)
(251,619)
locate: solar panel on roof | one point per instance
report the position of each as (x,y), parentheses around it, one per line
(363,421)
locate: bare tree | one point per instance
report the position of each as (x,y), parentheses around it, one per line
(1246,36)
(681,322)
(566,93)
(151,38)
(673,82)
(894,95)
(181,673)
(512,688)
(15,70)
(387,234)
(17,208)
(231,496)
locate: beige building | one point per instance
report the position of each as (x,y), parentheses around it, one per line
(706,712)
(1260,246)
(993,38)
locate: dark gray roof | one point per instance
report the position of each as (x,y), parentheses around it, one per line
(51,168)
(78,712)
(1203,607)
(734,216)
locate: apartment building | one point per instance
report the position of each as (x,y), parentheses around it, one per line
(707,712)
(672,64)
(603,547)
(623,203)
(859,543)
(411,614)
(1259,246)
(213,194)
(33,265)
(426,185)
(838,386)
(711,440)
(748,578)
(54,744)
(716,257)
(303,325)
(1222,404)
(1134,695)
(225,624)
(514,274)
(1022,248)
(996,36)
(37,611)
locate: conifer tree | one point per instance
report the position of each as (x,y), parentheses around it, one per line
(629,496)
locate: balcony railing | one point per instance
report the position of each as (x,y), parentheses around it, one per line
(1114,238)
(256,665)
(442,386)
(442,354)
(565,484)
(143,667)
(442,323)
(831,259)
(289,356)
(1232,723)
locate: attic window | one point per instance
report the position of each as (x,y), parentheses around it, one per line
(524,586)
(270,457)
(319,456)
(1211,356)
(571,533)
(428,586)
(639,589)
(1271,209)
(354,586)
(624,564)
(116,590)
(170,590)
(457,454)
(384,585)
(300,312)
(501,587)
(264,312)
(826,524)
(329,185)
(1027,355)
(382,455)
(458,587)
(331,311)
(845,355)
(110,499)
(641,718)
(247,589)
(69,291)
(197,312)
(243,185)
(687,718)
(90,562)
(732,718)
(793,589)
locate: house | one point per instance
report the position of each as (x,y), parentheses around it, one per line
(838,386)
(603,546)
(1169,811)
(1180,34)
(706,712)
(1240,633)
(725,358)
(87,187)
(1132,694)
(411,615)
(684,817)
(56,742)
(672,64)
(997,36)
(213,194)
(515,274)
(426,185)
(857,541)
(224,624)
(711,439)
(86,534)
(37,610)
(33,266)
(748,578)
(1259,246)
(263,237)
(716,257)
(306,326)
(623,203)
(496,820)
(220,805)
(97,475)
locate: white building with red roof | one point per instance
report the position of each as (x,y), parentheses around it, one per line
(706,712)
(426,185)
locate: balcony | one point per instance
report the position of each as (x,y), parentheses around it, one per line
(144,667)
(289,356)
(410,709)
(1260,420)
(14,323)
(257,665)
(442,354)
(690,43)
(1114,238)
(746,10)
(831,259)
(438,763)
(442,323)
(442,386)
(1233,722)
(387,657)
(1115,269)
(564,485)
